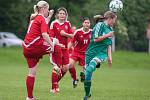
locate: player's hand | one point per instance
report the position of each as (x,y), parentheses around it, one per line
(61,45)
(110,34)
(51,12)
(109,62)
(55,41)
(62,33)
(52,49)
(57,69)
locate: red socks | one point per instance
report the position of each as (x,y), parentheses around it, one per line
(72,71)
(30,85)
(54,79)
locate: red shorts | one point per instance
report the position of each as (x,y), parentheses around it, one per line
(34,53)
(77,56)
(60,56)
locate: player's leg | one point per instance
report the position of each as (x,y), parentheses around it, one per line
(54,81)
(82,64)
(30,79)
(72,71)
(65,63)
(89,71)
(90,68)
(55,59)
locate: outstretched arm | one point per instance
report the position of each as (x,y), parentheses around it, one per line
(100,38)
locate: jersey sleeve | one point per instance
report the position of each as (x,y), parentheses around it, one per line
(69,28)
(75,37)
(44,26)
(98,30)
(51,30)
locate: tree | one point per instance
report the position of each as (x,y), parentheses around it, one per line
(135,14)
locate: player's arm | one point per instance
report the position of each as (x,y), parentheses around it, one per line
(47,38)
(70,44)
(69,34)
(100,38)
(51,12)
(109,55)
(63,33)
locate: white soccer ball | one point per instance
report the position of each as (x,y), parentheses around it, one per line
(116,5)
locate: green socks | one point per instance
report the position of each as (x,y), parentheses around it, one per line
(87,87)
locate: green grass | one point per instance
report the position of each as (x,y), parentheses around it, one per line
(128,79)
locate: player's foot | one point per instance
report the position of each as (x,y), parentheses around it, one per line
(55,90)
(82,76)
(30,98)
(98,65)
(75,83)
(87,97)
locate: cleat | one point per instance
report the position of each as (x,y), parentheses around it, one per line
(98,65)
(30,98)
(75,83)
(82,76)
(54,91)
(87,97)
(57,89)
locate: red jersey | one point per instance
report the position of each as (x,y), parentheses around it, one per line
(35,30)
(56,27)
(81,40)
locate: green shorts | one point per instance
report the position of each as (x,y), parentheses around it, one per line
(101,57)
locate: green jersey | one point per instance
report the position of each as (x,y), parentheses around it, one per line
(99,48)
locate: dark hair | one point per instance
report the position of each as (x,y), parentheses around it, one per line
(85,18)
(59,9)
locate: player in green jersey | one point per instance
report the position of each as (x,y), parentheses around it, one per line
(99,49)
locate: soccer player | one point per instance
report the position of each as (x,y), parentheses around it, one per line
(80,42)
(61,29)
(36,43)
(99,48)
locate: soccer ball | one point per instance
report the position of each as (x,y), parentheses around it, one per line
(115,5)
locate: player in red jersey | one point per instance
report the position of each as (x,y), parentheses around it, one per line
(61,29)
(37,42)
(80,43)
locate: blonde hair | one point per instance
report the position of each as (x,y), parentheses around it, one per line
(109,14)
(37,8)
(63,9)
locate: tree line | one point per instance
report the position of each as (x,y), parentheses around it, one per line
(130,31)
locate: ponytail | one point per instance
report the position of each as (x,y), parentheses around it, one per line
(33,15)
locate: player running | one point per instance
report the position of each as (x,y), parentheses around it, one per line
(80,42)
(37,42)
(61,29)
(99,48)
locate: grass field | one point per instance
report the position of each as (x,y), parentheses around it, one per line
(128,79)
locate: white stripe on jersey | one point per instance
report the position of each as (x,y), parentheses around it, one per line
(97,29)
(31,42)
(30,26)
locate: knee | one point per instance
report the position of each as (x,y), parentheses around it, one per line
(32,72)
(65,68)
(92,65)
(88,75)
